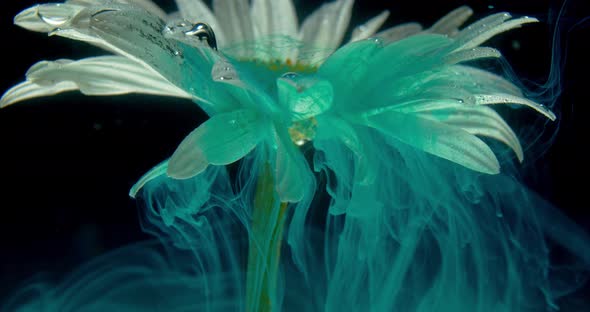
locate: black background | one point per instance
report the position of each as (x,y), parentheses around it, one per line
(67,162)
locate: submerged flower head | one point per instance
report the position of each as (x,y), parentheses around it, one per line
(396,121)
(406,83)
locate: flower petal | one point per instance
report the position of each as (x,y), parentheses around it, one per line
(369,28)
(155,172)
(29,90)
(221,140)
(147,5)
(488,99)
(70,21)
(330,128)
(472,54)
(325,27)
(47,17)
(274,17)
(347,66)
(488,27)
(438,139)
(450,23)
(305,97)
(399,32)
(235,18)
(275,28)
(105,75)
(138,34)
(477,120)
(292,172)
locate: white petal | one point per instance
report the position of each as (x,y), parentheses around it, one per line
(482,30)
(438,139)
(472,54)
(147,5)
(274,17)
(221,140)
(324,29)
(197,11)
(488,99)
(139,36)
(490,81)
(275,28)
(370,27)
(450,23)
(67,20)
(399,32)
(47,17)
(478,120)
(105,75)
(150,175)
(28,90)
(235,18)
(343,20)
(175,16)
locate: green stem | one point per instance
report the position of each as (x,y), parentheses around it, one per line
(264,251)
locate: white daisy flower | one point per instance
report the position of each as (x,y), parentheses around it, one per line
(264,31)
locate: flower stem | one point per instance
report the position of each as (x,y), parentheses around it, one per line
(268,221)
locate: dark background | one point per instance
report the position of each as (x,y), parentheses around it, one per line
(67,162)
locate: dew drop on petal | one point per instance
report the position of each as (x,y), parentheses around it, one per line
(223,71)
(203,33)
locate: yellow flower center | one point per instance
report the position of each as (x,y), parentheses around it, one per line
(303,131)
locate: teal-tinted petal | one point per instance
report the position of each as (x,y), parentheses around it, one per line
(436,138)
(347,66)
(221,140)
(331,128)
(292,173)
(304,96)
(155,172)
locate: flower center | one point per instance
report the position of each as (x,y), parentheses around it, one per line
(284,66)
(303,131)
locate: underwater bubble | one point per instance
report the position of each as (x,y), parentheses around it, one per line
(223,71)
(290,75)
(192,34)
(204,33)
(176,27)
(54,14)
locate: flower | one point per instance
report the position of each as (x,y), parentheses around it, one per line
(403,228)
(430,102)
(234,23)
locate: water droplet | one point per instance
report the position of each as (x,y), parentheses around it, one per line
(54,32)
(376,40)
(53,20)
(223,71)
(290,75)
(176,27)
(204,33)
